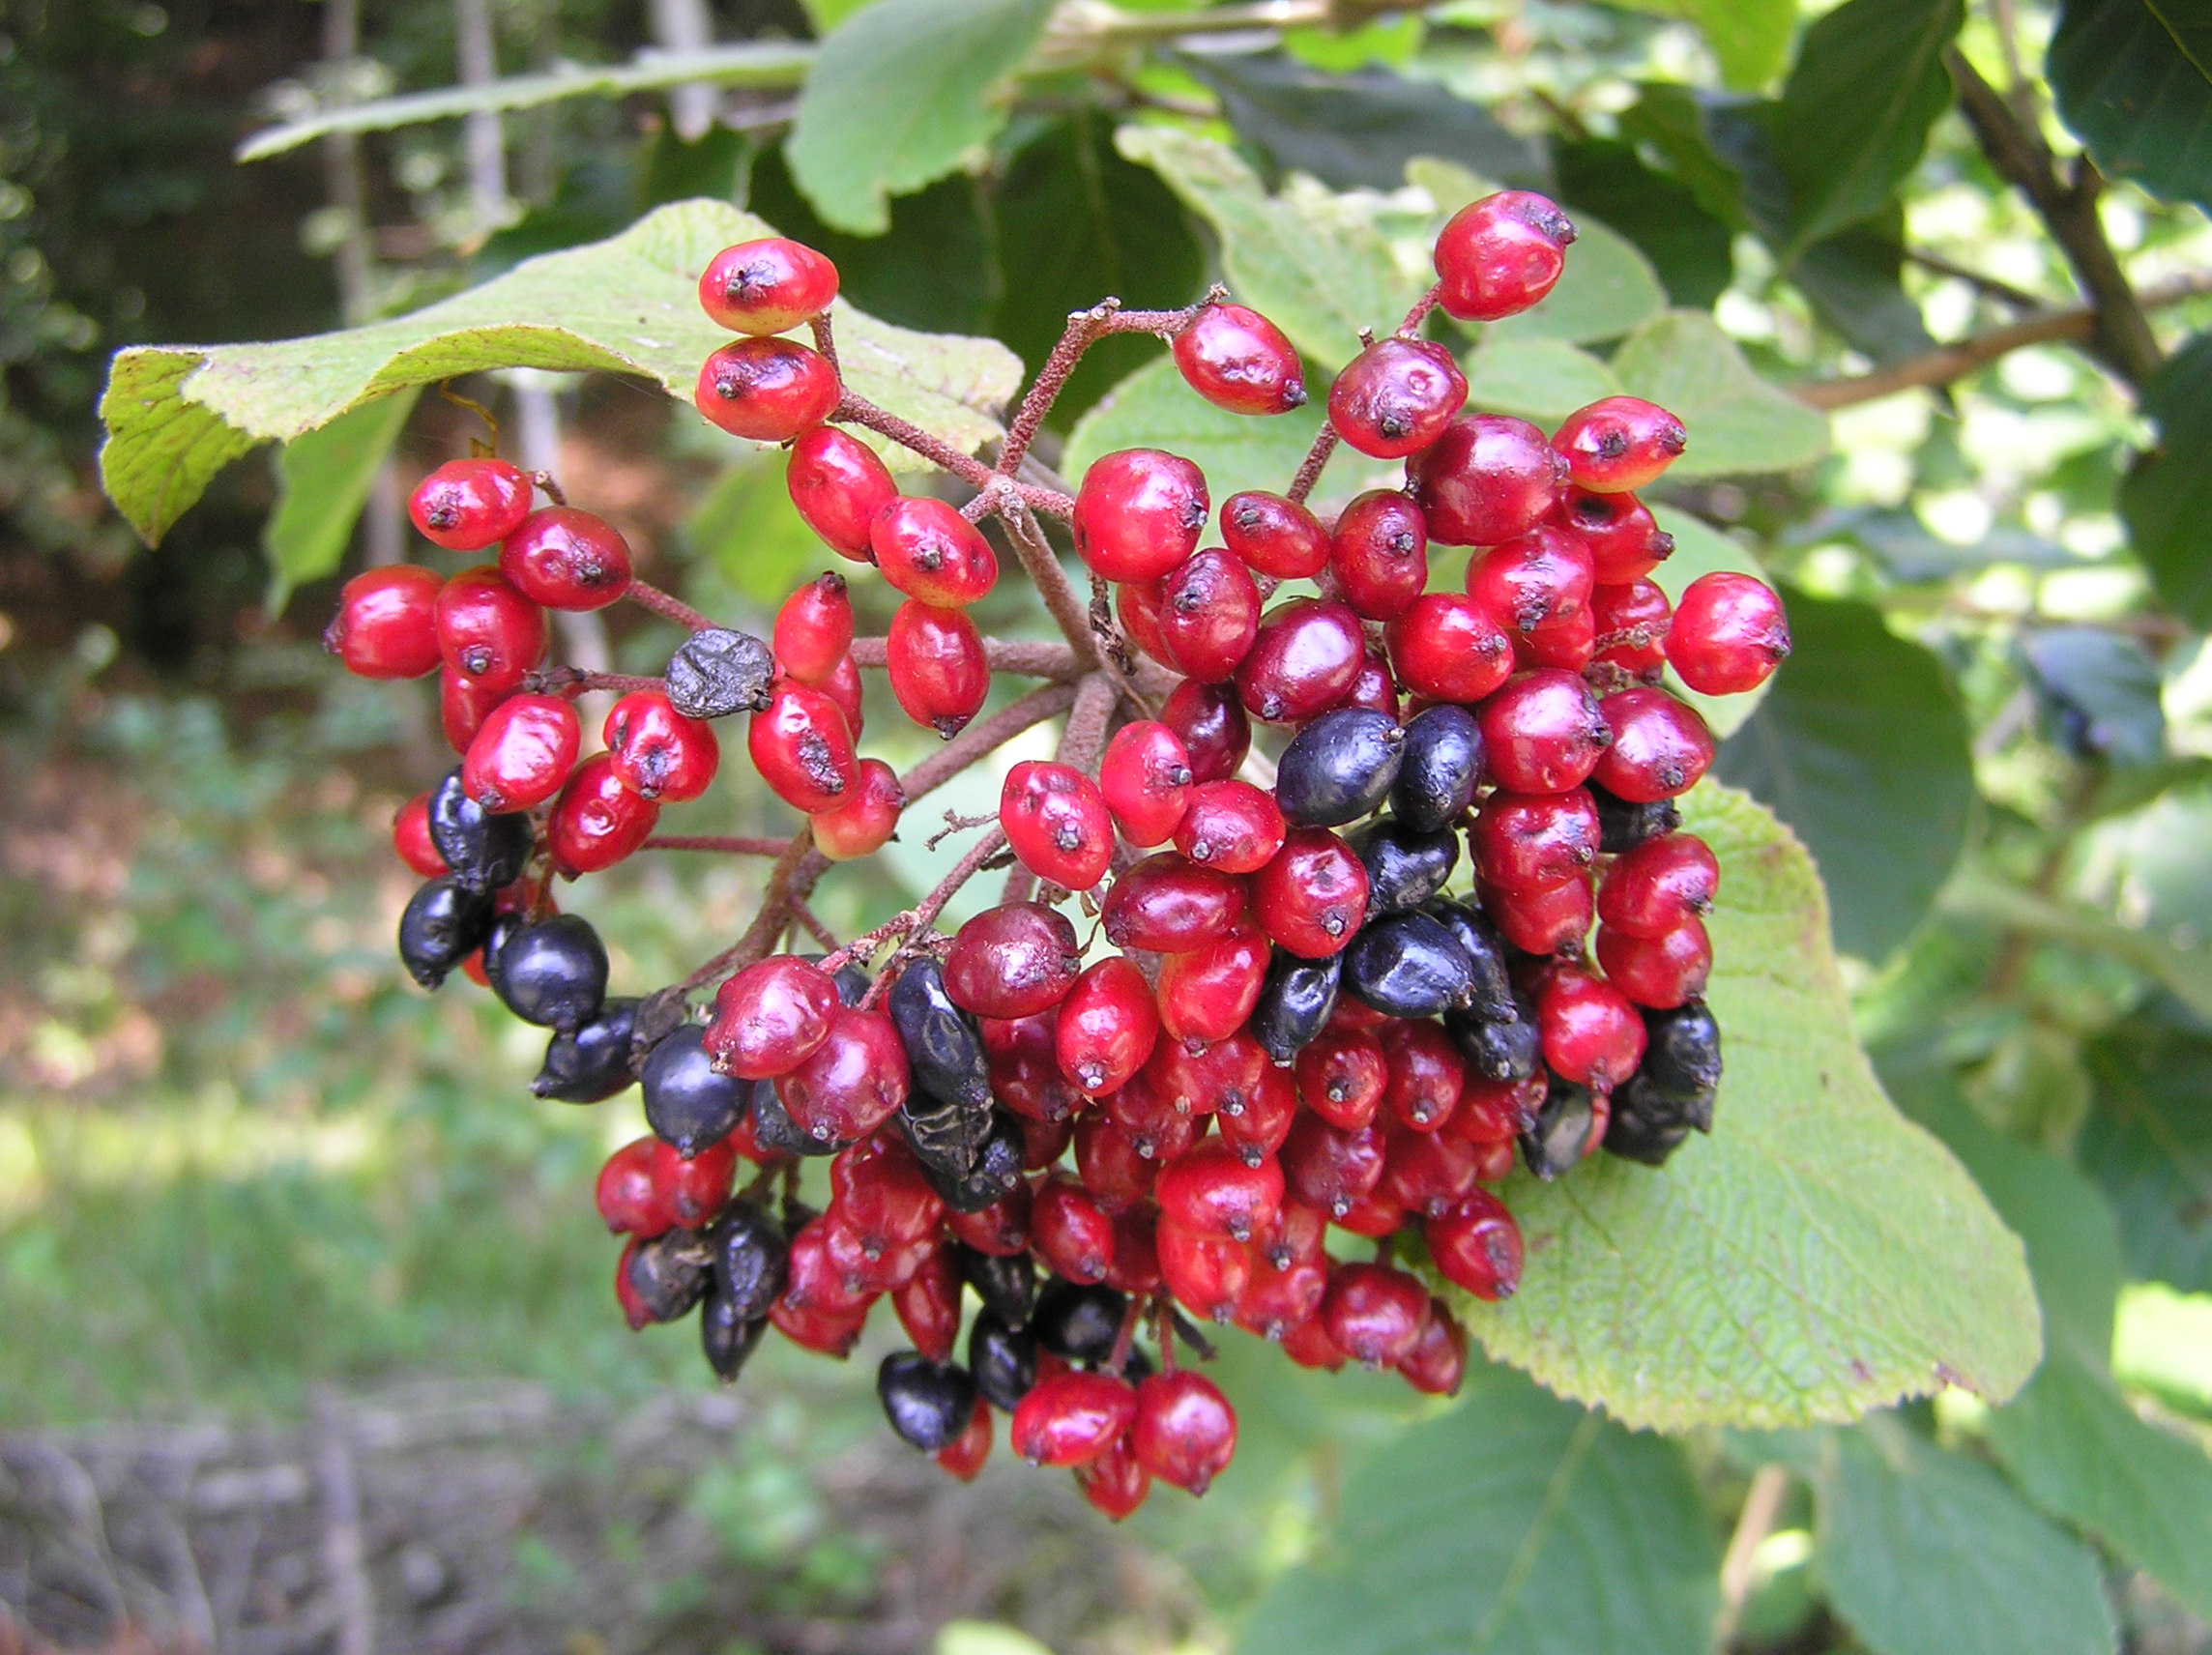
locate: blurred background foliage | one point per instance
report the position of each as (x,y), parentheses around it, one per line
(240,1160)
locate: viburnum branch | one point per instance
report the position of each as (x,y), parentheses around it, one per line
(811,925)
(666,605)
(918,918)
(1085,329)
(1310,468)
(825,342)
(718,843)
(983,737)
(1036,552)
(553,679)
(791,879)
(1023,658)
(852,410)
(545,481)
(955,822)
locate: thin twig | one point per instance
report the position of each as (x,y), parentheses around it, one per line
(718,843)
(811,925)
(1085,329)
(1036,552)
(553,679)
(1761,1505)
(1023,658)
(1310,468)
(666,605)
(984,736)
(2019,298)
(825,342)
(855,410)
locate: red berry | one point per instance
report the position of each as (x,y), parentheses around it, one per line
(522,754)
(1619,443)
(814,629)
(1278,1296)
(864,822)
(1239,360)
(1114,1483)
(803,749)
(1206,993)
(465,506)
(1312,897)
(1378,554)
(766,286)
(1071,1419)
(1136,1266)
(852,1083)
(1001,1230)
(1654,889)
(823,1332)
(1230,827)
(1542,575)
(1591,1034)
(657,752)
(1118,1175)
(1330,1167)
(1167,904)
(843,686)
(1185,1431)
(1543,732)
(1309,1346)
(1396,396)
(462,707)
(387,623)
(768,389)
(1658,972)
(1729,634)
(1305,660)
(1436,1364)
(879,1193)
(1549,919)
(1526,842)
(771,1017)
(1212,1190)
(931,552)
(1145,777)
(596,821)
(1477,1245)
(1206,1273)
(1055,818)
(1374,1312)
(1631,623)
(1138,603)
(1276,536)
(1264,1125)
(1659,749)
(1208,615)
(1342,1074)
(1449,648)
(487,631)
(631,1200)
(1025,1066)
(1071,1232)
(1425,1173)
(1491,1112)
(411,839)
(937,669)
(1138,514)
(971,1450)
(1426,1076)
(1107,1028)
(1624,542)
(1206,719)
(1015,960)
(566,559)
(1565,645)
(1156,1130)
(1501,254)
(1375,688)
(1487,479)
(1224,1078)
(838,485)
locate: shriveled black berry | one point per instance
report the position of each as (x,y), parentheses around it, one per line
(669,1273)
(1339,767)
(1003,1360)
(554,973)
(1407,965)
(484,848)
(1294,1003)
(593,1062)
(1622,825)
(928,1403)
(775,1132)
(1658,1106)
(750,1258)
(944,1049)
(1497,1051)
(1683,1049)
(945,1134)
(1078,1322)
(1561,1132)
(1405,865)
(997,1169)
(443,924)
(719,672)
(1635,1139)
(1485,951)
(1441,768)
(687,1103)
(728,1339)
(1007,1286)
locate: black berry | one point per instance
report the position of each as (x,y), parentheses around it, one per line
(592,1063)
(1339,767)
(689,1105)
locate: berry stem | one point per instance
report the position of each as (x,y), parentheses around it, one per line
(812,925)
(718,843)
(1131,1314)
(854,410)
(907,926)
(1024,657)
(984,736)
(667,606)
(825,342)
(553,679)
(1044,572)
(1085,329)
(1310,468)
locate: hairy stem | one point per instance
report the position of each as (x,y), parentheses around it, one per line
(984,738)
(853,410)
(1023,658)
(1085,329)
(666,605)
(717,844)
(1036,552)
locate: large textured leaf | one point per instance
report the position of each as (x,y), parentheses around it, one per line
(1516,1525)
(1751,38)
(1737,422)
(901,93)
(1927,1552)
(1861,746)
(1854,115)
(1541,380)
(1852,279)
(2148,1142)
(1818,1255)
(2166,499)
(1313,262)
(2099,692)
(177,414)
(2132,79)
(323,479)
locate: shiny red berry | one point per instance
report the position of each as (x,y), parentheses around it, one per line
(1546,920)
(928,551)
(1311,898)
(1056,820)
(771,1017)
(566,559)
(1530,841)
(1487,479)
(1543,732)
(1542,575)
(1659,749)
(465,506)
(1107,1026)
(1212,1190)
(971,1450)
(1071,1232)
(1138,604)
(1278,1296)
(597,822)
(1378,554)
(1375,688)
(1342,1075)
(767,390)
(1168,903)
(1332,1166)
(1563,644)
(387,623)
(1477,1245)
(1015,960)
(1729,634)
(802,749)
(1374,1312)
(852,1083)
(843,688)
(1209,722)
(866,819)
(1427,1075)
(1115,1483)
(1658,972)
(1138,512)
(1625,542)
(937,667)
(522,755)
(1449,648)
(1145,777)
(1591,1034)
(1492,1111)
(1239,360)
(630,1199)
(1230,827)
(838,485)
(1630,623)
(657,752)
(487,631)
(1264,1125)
(1396,396)
(1072,1418)
(1275,536)
(1206,1273)
(1499,255)
(1208,615)
(879,1192)
(766,286)
(814,628)
(1305,660)
(928,1307)
(1155,1130)
(1206,993)
(1425,1173)
(1224,1078)
(463,706)
(1619,443)
(1654,889)
(411,839)
(1185,1431)
(1436,1364)
(1118,1176)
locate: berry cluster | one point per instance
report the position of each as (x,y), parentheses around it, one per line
(1296,1026)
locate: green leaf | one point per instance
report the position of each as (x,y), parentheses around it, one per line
(2099,693)
(323,479)
(1926,1553)
(1541,380)
(2133,80)
(1701,549)
(1852,279)
(1667,117)
(902,92)
(1861,746)
(1514,1525)
(1868,84)
(1316,264)
(1750,37)
(2166,499)
(1737,423)
(1818,1255)
(177,414)
(1605,179)
(2148,1142)
(1358,128)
